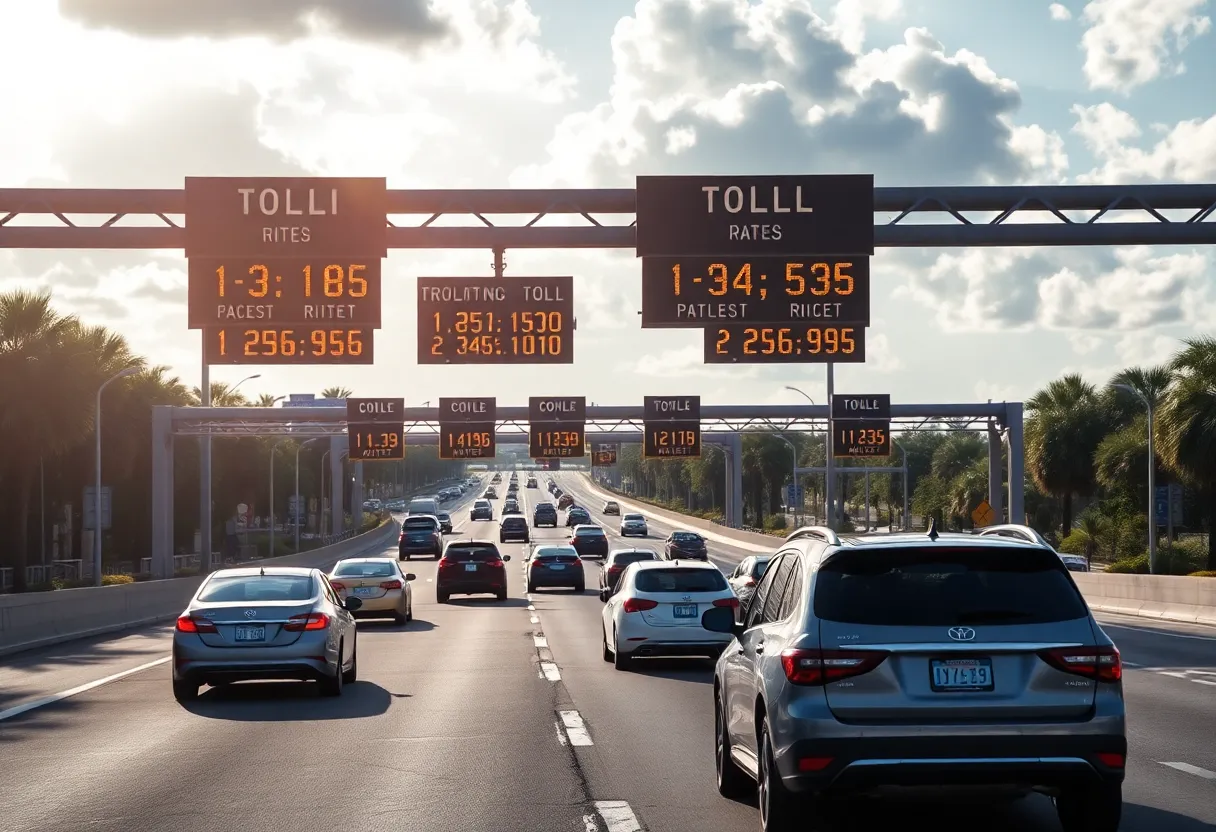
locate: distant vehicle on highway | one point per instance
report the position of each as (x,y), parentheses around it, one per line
(491,493)
(284,622)
(423,505)
(979,644)
(471,567)
(611,507)
(565,501)
(685,545)
(746,575)
(576,516)
(615,563)
(634,524)
(513,527)
(445,522)
(481,510)
(421,534)
(544,514)
(589,541)
(555,566)
(531,483)
(379,584)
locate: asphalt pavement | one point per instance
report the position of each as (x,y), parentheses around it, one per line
(487,715)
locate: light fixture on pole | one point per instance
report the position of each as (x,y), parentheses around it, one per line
(1152,479)
(129,371)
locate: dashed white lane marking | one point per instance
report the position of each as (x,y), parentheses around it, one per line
(534,620)
(531,608)
(1187,674)
(576,731)
(561,735)
(551,672)
(17,710)
(540,641)
(1190,769)
(617,815)
(1133,664)
(589,824)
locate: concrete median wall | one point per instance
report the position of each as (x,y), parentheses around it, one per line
(1165,597)
(38,619)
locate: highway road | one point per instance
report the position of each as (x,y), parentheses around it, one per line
(484,715)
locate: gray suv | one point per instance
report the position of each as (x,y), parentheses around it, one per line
(918,660)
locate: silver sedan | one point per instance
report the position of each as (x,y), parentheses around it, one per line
(278,622)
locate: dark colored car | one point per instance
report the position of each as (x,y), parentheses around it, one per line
(544,514)
(589,540)
(688,545)
(514,527)
(481,510)
(565,501)
(576,516)
(491,494)
(471,567)
(445,522)
(555,566)
(617,560)
(612,507)
(420,535)
(510,505)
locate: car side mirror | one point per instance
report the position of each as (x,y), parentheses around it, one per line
(605,594)
(721,620)
(351,603)
(410,576)
(506,558)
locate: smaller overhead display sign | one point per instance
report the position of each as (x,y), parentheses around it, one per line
(861,424)
(286,216)
(861,406)
(753,215)
(557,427)
(816,344)
(605,455)
(467,428)
(671,427)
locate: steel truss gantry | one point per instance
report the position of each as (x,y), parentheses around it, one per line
(1014,215)
(722,426)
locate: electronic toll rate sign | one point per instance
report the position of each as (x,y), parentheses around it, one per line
(671,427)
(605,455)
(489,320)
(375,429)
(466,428)
(557,427)
(760,344)
(861,425)
(703,291)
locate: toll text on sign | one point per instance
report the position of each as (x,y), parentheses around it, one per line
(490,293)
(735,199)
(269,202)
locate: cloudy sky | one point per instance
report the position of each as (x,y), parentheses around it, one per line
(590,93)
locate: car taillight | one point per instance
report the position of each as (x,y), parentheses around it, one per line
(338,586)
(444,563)
(307,621)
(638,604)
(391,585)
(821,667)
(536,564)
(494,564)
(401,536)
(191,624)
(1103,664)
(731,602)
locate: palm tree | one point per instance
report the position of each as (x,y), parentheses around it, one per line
(1121,460)
(1186,424)
(1067,422)
(1150,382)
(337,393)
(222,395)
(266,400)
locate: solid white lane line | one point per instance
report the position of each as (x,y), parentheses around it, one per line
(617,815)
(1204,682)
(1173,673)
(540,641)
(1127,664)
(1190,769)
(17,710)
(576,731)
(1156,632)
(551,672)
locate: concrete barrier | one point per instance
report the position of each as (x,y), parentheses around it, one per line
(39,619)
(1165,597)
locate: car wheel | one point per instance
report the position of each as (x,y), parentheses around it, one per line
(580,588)
(332,685)
(607,652)
(776,804)
(1090,809)
(621,661)
(409,611)
(501,595)
(436,556)
(185,691)
(732,781)
(442,597)
(399,619)
(531,587)
(406,557)
(349,677)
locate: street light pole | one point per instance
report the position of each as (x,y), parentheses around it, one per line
(904,451)
(793,474)
(1152,479)
(273,448)
(827,490)
(129,371)
(299,448)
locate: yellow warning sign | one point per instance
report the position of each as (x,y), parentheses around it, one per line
(983,515)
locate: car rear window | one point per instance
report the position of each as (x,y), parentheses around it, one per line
(258,588)
(590,531)
(685,537)
(365,570)
(485,551)
(418,523)
(680,580)
(556,553)
(514,521)
(633,517)
(625,558)
(946,588)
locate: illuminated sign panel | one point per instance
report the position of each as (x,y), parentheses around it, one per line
(466,428)
(487,320)
(671,426)
(235,291)
(747,215)
(750,344)
(861,425)
(288,345)
(557,427)
(375,441)
(694,292)
(387,411)
(861,406)
(286,216)
(605,456)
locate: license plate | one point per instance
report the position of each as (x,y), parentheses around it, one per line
(365,590)
(470,567)
(245,632)
(557,566)
(961,674)
(685,611)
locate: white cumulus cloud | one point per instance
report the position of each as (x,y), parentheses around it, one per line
(1131,42)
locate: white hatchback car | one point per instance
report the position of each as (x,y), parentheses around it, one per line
(657,611)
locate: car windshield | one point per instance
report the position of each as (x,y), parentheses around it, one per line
(680,580)
(589,531)
(551,552)
(472,551)
(365,569)
(685,537)
(928,587)
(629,517)
(257,588)
(481,504)
(515,522)
(417,523)
(443,515)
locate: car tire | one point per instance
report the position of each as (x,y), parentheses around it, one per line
(442,597)
(185,691)
(399,619)
(501,595)
(409,611)
(332,685)
(621,661)
(405,557)
(733,782)
(436,556)
(1090,809)
(776,803)
(607,652)
(349,677)
(580,588)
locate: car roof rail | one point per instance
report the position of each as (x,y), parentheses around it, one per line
(821,532)
(1024,531)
